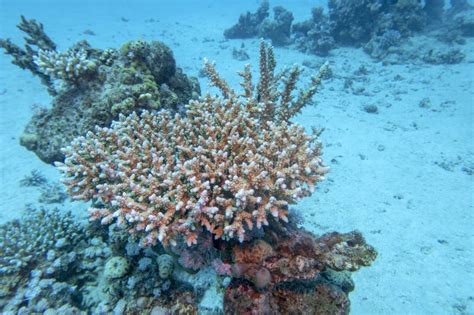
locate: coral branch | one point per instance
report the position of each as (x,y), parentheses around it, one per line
(35,34)
(216,79)
(288,110)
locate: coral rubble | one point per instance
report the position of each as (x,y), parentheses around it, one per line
(92,86)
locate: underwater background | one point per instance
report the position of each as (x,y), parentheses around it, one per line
(397,113)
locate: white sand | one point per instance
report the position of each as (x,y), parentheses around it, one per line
(384,180)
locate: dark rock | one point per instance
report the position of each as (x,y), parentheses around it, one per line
(314,35)
(240,54)
(451,56)
(425,102)
(371,109)
(248,23)
(277,30)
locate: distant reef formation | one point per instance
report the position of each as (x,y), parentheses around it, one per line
(397,31)
(91,87)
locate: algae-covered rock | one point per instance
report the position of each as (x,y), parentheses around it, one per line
(130,79)
(92,87)
(116,267)
(165,265)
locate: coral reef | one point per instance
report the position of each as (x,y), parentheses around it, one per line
(391,30)
(35,179)
(22,247)
(378,47)
(116,267)
(208,188)
(29,259)
(229,166)
(383,28)
(166,266)
(49,192)
(353,22)
(85,268)
(52,193)
(92,87)
(198,256)
(434,10)
(459,22)
(356,23)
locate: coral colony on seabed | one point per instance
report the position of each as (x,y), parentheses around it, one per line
(176,192)
(228,169)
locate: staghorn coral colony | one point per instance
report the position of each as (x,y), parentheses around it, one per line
(190,196)
(229,165)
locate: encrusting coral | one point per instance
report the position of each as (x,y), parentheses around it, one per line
(229,166)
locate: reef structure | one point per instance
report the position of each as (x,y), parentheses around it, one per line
(213,187)
(278,29)
(91,87)
(392,31)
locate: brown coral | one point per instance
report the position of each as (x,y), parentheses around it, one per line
(256,252)
(298,276)
(301,256)
(318,298)
(230,165)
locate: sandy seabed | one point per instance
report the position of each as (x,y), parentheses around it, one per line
(400,176)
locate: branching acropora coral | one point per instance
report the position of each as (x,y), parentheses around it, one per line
(231,164)
(68,66)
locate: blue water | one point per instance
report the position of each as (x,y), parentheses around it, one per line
(401,176)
